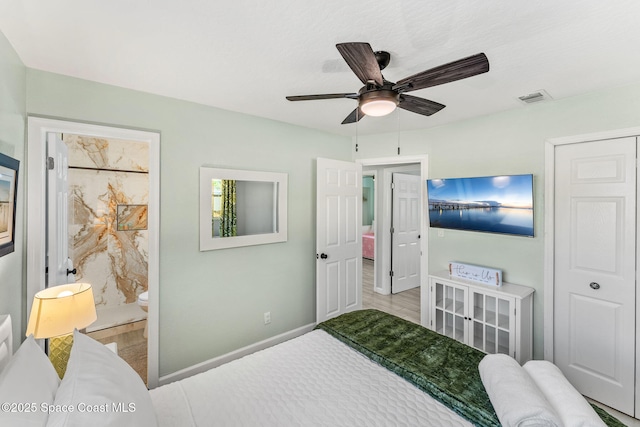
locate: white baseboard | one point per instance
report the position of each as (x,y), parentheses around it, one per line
(225,358)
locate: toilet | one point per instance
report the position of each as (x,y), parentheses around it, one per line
(143,302)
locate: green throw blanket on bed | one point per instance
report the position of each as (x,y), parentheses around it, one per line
(444,368)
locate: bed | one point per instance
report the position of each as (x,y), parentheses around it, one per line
(368,244)
(364,368)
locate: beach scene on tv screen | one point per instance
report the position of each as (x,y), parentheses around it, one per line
(494,204)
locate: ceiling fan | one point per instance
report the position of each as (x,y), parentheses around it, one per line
(379,97)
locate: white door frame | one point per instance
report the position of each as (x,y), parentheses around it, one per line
(423,160)
(549,234)
(38,128)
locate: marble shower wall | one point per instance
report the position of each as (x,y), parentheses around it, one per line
(105,173)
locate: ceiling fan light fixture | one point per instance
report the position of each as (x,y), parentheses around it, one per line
(378,103)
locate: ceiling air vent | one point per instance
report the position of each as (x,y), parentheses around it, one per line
(534,97)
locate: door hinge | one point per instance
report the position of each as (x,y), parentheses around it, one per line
(392,230)
(393,185)
(50,163)
(391,273)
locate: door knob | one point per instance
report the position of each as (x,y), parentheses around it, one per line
(324,256)
(594,285)
(74,271)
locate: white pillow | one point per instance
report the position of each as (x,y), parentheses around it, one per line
(571,406)
(101,389)
(514,395)
(28,386)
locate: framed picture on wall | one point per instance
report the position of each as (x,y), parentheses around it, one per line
(8,191)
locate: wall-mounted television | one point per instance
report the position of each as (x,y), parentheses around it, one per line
(492,204)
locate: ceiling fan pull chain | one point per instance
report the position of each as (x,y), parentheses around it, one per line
(398,137)
(357,120)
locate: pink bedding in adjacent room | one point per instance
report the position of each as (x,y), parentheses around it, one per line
(368,244)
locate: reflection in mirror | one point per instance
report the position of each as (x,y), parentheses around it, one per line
(241,208)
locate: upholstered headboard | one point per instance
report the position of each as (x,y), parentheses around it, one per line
(6,340)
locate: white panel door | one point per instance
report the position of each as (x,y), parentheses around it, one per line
(405,237)
(338,238)
(595,261)
(57,211)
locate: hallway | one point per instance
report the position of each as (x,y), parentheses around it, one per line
(404,304)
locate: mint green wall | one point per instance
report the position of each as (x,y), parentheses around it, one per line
(12,132)
(368,204)
(511,142)
(211,302)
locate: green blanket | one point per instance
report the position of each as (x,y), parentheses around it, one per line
(444,368)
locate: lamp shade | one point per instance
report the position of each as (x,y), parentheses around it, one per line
(61,309)
(379,102)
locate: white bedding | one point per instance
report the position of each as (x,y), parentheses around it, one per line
(311,380)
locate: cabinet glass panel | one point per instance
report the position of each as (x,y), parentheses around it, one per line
(490,339)
(478,336)
(448,324)
(503,313)
(478,306)
(459,328)
(439,295)
(439,321)
(503,341)
(460,302)
(448,301)
(490,311)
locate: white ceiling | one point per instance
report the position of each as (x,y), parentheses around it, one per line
(246,56)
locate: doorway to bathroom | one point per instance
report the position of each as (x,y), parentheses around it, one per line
(107,221)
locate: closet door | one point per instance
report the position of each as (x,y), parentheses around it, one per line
(595,262)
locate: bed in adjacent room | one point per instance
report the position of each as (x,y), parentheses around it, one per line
(364,368)
(368,245)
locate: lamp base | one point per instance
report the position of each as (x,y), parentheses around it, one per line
(59,351)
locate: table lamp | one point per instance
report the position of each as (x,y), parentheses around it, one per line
(55,313)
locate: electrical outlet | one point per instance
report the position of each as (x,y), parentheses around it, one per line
(267,317)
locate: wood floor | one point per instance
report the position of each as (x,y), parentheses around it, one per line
(404,304)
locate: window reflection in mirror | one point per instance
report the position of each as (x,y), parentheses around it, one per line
(241,208)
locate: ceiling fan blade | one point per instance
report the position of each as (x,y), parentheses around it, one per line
(355,116)
(456,70)
(324,96)
(362,61)
(419,105)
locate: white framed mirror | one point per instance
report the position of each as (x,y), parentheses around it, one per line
(241,208)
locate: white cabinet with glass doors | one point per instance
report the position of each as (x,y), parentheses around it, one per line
(489,318)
